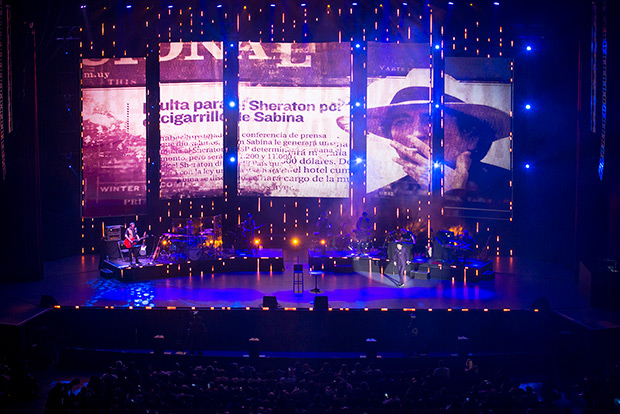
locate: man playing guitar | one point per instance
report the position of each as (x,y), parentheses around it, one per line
(248,227)
(131,240)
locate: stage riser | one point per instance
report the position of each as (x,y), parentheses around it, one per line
(238,264)
(305,331)
(414,270)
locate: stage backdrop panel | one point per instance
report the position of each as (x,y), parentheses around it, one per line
(292,98)
(191,119)
(113,136)
(398,121)
(477,132)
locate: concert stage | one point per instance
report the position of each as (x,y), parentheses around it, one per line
(267,260)
(76,281)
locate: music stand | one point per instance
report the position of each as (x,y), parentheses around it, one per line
(316,274)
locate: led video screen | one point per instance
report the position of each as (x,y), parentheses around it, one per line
(113,136)
(191,119)
(293,119)
(398,122)
(477,124)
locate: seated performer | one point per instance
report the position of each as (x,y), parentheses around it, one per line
(323,231)
(400,259)
(247,232)
(131,240)
(362,231)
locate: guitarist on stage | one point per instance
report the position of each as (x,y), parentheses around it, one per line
(248,227)
(131,239)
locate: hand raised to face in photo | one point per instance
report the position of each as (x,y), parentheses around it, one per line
(410,136)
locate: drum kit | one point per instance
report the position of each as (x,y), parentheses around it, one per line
(180,247)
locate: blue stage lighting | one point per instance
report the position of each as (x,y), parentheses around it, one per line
(436,105)
(232,104)
(303,4)
(404,4)
(83,6)
(357,104)
(451,3)
(232,159)
(527,166)
(272,5)
(357,45)
(232,45)
(437,164)
(496,3)
(219,6)
(358,160)
(353,4)
(129,6)
(528,106)
(528,48)
(437,47)
(170,6)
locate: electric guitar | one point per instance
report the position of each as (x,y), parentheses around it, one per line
(133,242)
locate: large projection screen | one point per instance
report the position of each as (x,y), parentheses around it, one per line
(477,124)
(191,120)
(293,120)
(398,122)
(113,136)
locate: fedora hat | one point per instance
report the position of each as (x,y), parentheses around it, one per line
(411,94)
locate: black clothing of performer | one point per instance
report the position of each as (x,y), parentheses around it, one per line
(400,259)
(322,226)
(248,226)
(131,234)
(362,230)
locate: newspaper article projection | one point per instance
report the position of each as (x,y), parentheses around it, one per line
(292,99)
(113,136)
(477,125)
(191,119)
(398,142)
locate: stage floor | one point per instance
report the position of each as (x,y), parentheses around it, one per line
(75,281)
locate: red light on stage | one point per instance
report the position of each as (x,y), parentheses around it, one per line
(323,242)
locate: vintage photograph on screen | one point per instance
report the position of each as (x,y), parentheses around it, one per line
(398,123)
(191,120)
(291,100)
(114,137)
(477,125)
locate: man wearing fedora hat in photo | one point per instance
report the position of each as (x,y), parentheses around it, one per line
(401,118)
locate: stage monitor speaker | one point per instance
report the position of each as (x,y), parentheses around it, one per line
(270,302)
(47,301)
(320,303)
